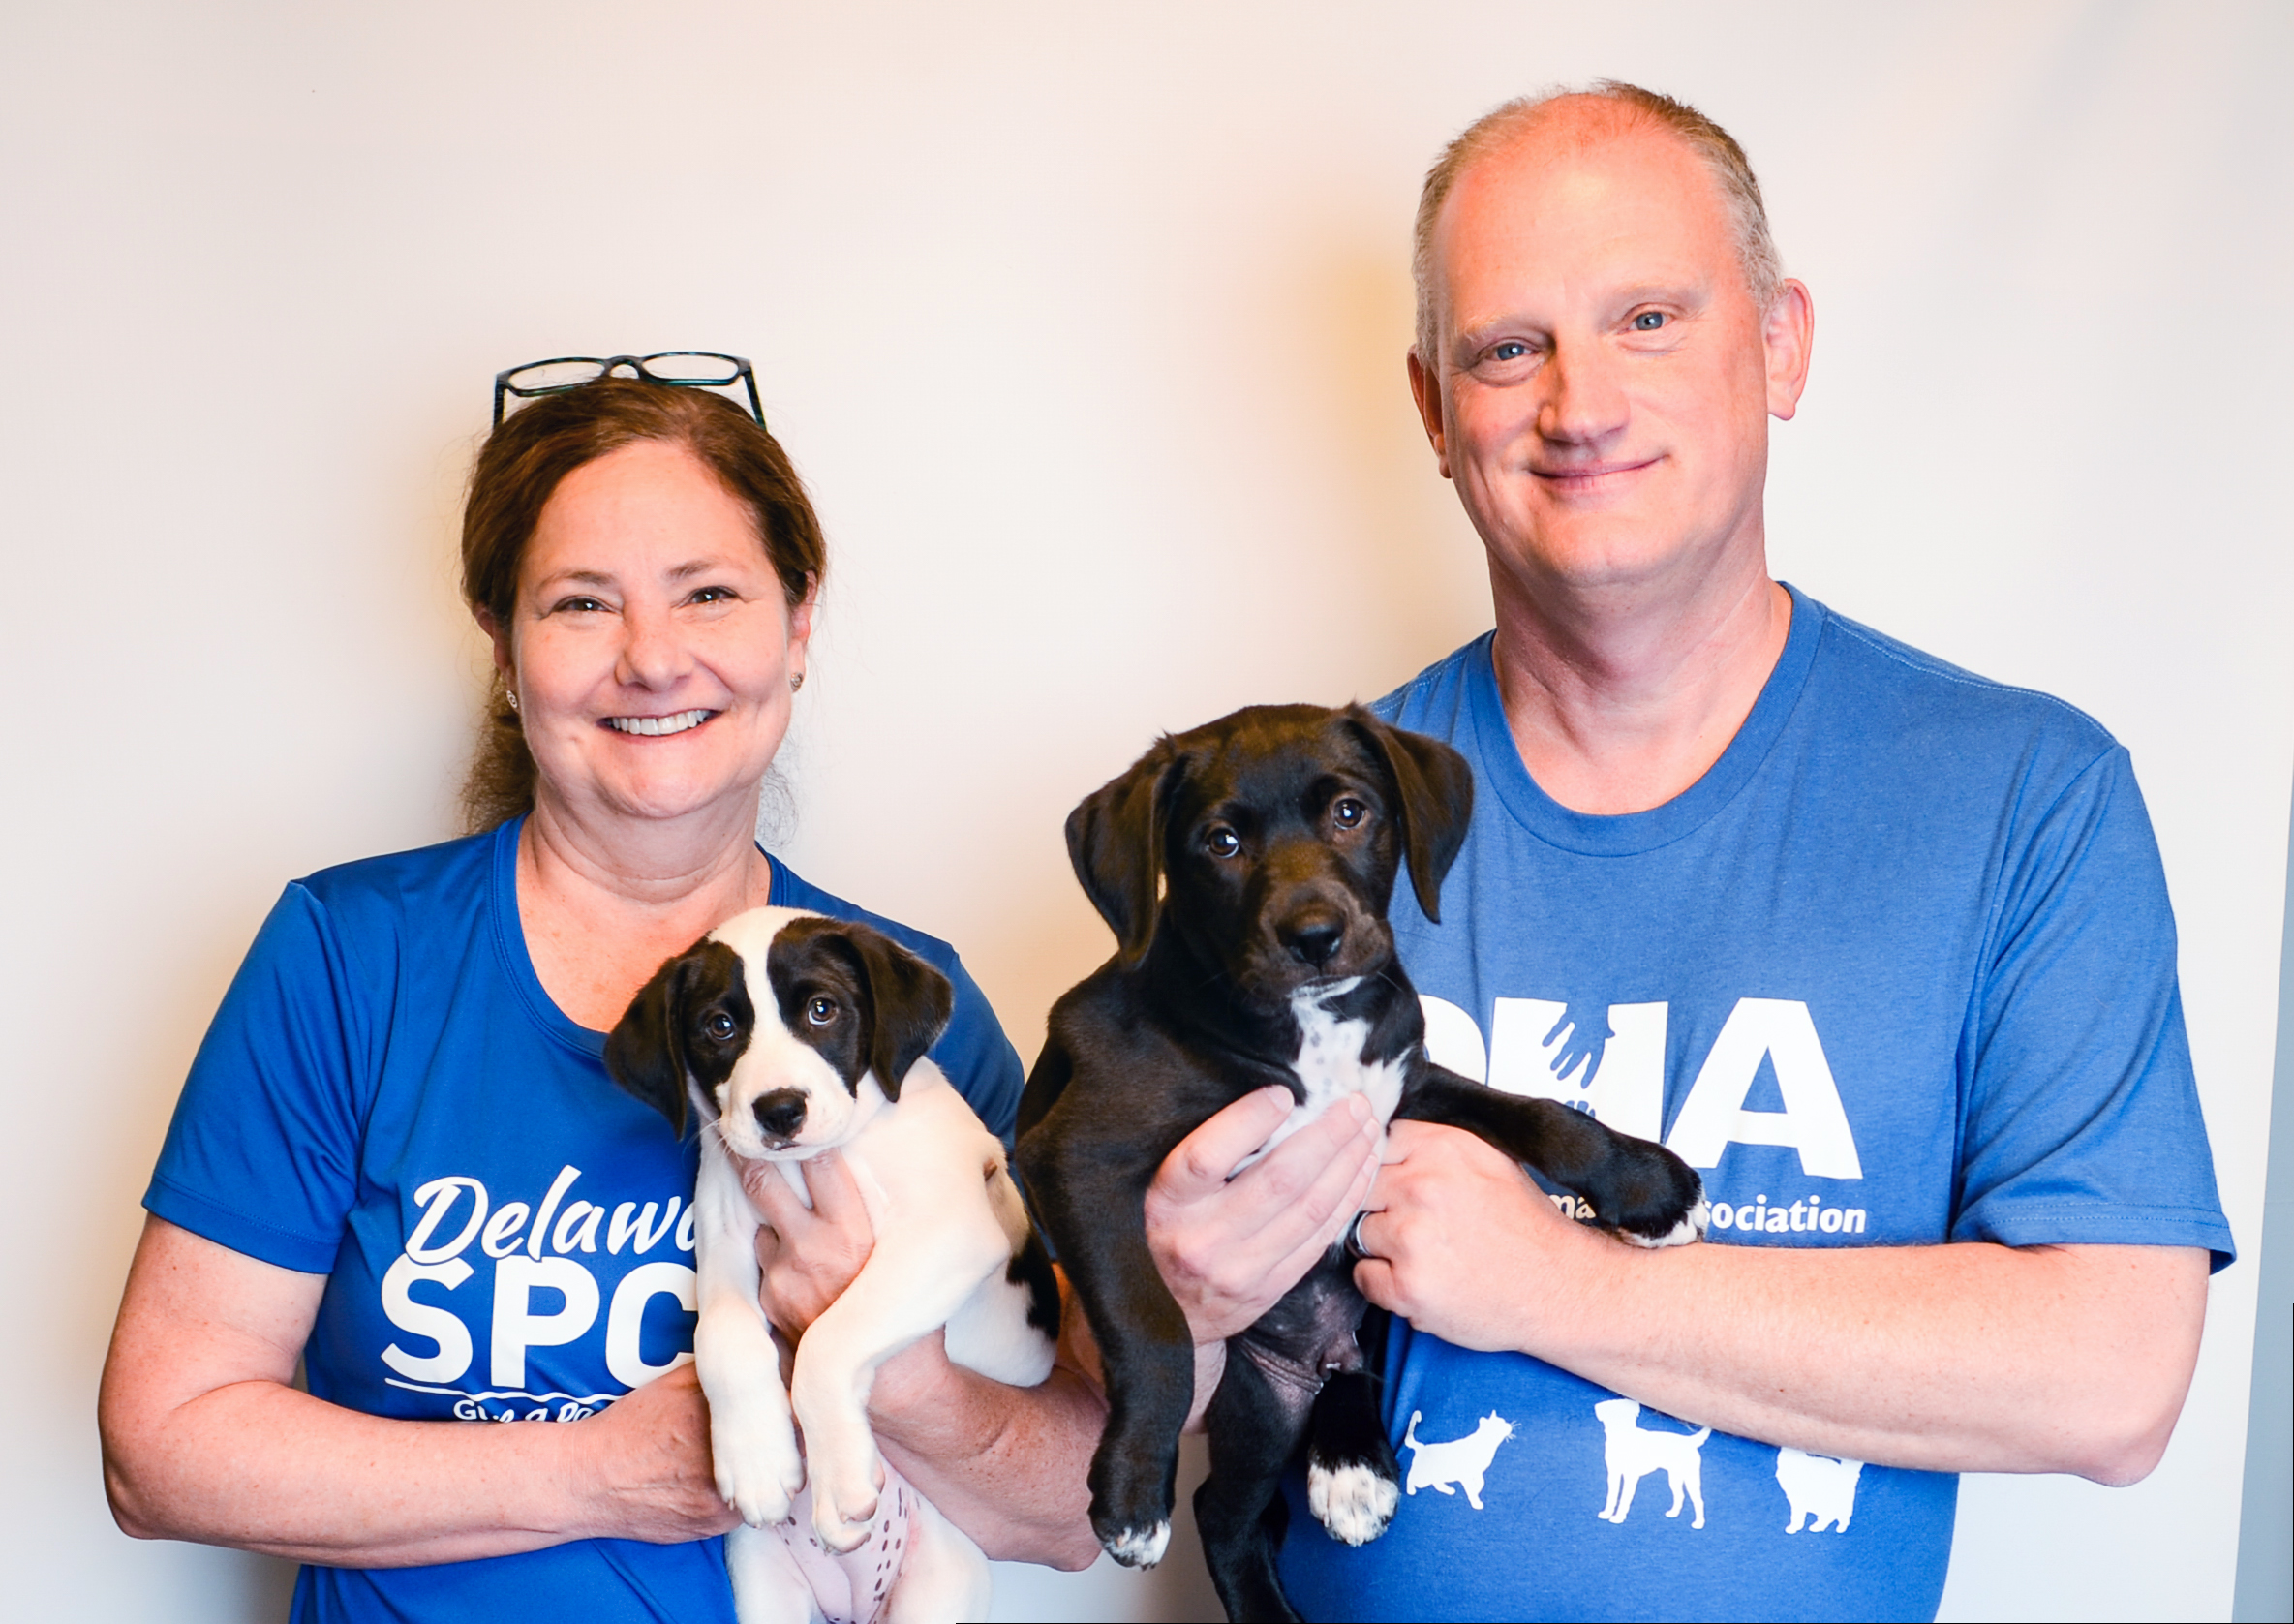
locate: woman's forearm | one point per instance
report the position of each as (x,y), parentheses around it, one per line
(204,1439)
(263,1467)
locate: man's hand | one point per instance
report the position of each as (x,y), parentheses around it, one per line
(1458,1236)
(809,1254)
(1230,1245)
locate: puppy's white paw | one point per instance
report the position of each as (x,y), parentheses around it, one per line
(1690,1228)
(1140,1548)
(846,1500)
(758,1473)
(1353,1502)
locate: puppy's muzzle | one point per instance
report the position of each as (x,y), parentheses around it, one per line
(1313,937)
(780,1114)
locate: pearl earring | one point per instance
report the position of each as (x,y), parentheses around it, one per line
(796,682)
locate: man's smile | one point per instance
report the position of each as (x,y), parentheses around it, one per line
(1591,478)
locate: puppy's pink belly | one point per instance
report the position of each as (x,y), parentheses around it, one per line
(853,1588)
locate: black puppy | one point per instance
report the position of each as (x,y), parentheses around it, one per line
(1245,869)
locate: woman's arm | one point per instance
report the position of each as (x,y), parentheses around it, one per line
(205,1439)
(1005,1464)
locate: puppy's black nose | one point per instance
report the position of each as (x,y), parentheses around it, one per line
(1314,940)
(781,1113)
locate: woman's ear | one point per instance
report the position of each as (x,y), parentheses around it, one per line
(498,634)
(800,623)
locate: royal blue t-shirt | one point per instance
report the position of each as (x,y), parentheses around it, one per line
(1899,970)
(388,1097)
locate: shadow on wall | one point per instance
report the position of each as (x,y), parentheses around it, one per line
(1409,559)
(1175,1591)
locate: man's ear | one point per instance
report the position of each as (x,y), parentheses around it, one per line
(1788,338)
(909,1003)
(1426,390)
(1434,797)
(1115,839)
(645,1052)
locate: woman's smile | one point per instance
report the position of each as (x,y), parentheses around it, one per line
(651,727)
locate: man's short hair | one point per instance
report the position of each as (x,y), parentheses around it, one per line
(1741,192)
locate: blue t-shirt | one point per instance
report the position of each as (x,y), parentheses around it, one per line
(1899,970)
(389,1098)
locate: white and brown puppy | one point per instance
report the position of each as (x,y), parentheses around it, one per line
(788,1034)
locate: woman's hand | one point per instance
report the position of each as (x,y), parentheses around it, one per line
(647,1464)
(1228,1245)
(808,1254)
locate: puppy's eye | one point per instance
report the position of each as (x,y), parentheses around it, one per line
(820,1011)
(720,1025)
(1221,842)
(1347,812)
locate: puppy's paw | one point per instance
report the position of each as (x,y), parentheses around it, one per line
(845,1503)
(758,1473)
(1353,1499)
(1690,1228)
(1653,1198)
(1137,1548)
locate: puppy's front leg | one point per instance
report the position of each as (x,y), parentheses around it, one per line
(1148,1356)
(1642,1191)
(1090,1187)
(910,1285)
(758,1466)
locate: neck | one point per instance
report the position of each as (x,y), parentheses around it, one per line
(604,901)
(1621,694)
(637,869)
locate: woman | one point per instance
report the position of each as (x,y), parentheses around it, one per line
(399,1159)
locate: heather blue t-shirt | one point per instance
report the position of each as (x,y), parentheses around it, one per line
(388,1097)
(1899,970)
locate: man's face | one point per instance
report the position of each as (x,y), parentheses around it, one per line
(1603,381)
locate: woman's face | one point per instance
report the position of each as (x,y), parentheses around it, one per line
(650,648)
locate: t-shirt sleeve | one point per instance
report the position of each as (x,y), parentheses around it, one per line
(262,1153)
(2082,1123)
(978,1058)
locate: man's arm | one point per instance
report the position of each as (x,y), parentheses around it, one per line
(1953,1357)
(1961,1358)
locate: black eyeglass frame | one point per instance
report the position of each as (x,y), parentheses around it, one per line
(743,374)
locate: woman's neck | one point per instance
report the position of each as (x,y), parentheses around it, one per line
(603,901)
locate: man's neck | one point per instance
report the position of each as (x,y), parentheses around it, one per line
(1620,697)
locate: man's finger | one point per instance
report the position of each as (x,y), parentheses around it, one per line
(1302,1220)
(1204,1160)
(1373,1277)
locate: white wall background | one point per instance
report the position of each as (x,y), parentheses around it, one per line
(1086,325)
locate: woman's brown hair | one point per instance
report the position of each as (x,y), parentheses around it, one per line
(520,466)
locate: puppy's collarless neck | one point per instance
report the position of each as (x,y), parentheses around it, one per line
(1201,1004)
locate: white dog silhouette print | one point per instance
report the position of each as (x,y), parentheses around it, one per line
(1463,1462)
(1632,1454)
(1820,1488)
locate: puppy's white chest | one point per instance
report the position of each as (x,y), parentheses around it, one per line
(1330,1066)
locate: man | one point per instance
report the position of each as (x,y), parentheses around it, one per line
(1883,948)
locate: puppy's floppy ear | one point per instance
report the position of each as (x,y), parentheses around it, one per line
(909,1003)
(645,1052)
(1115,839)
(1433,796)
